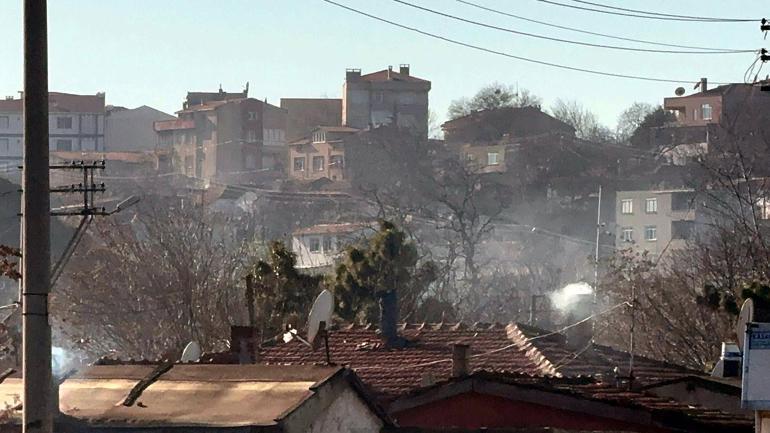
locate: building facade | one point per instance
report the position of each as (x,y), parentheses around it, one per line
(385,97)
(131,130)
(224,140)
(306,114)
(655,220)
(75,123)
(320,156)
(320,246)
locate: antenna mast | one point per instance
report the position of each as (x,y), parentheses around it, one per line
(596,262)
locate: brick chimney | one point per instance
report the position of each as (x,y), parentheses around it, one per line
(704,84)
(390,71)
(352,74)
(389,319)
(403,69)
(461,359)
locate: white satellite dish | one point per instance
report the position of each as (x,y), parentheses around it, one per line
(191,352)
(746,316)
(322,310)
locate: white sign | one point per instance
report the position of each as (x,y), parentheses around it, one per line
(756,367)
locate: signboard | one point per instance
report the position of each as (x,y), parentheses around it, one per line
(755,392)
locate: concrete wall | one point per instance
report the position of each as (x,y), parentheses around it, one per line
(639,219)
(132,130)
(379,103)
(346,414)
(689,109)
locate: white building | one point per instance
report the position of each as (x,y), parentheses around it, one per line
(322,245)
(76,123)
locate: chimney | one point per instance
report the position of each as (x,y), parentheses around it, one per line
(704,84)
(580,335)
(390,71)
(389,317)
(461,355)
(243,341)
(403,69)
(729,364)
(352,74)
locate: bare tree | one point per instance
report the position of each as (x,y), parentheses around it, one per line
(494,95)
(631,118)
(586,124)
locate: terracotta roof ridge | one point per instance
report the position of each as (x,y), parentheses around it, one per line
(530,350)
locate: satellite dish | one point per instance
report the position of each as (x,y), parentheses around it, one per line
(322,310)
(679,91)
(191,352)
(746,316)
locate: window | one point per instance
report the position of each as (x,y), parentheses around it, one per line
(492,158)
(318,163)
(626,206)
(650,233)
(682,201)
(763,204)
(682,229)
(299,164)
(319,137)
(706,111)
(251,136)
(336,161)
(4,146)
(469,157)
(315,245)
(64,122)
(627,235)
(327,243)
(651,205)
(64,145)
(4,122)
(252,115)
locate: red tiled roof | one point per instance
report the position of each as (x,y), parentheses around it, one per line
(390,372)
(62,102)
(394,76)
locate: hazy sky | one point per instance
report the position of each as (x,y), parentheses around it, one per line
(153,52)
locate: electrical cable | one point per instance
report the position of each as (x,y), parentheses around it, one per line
(685,17)
(566,41)
(512,56)
(587,32)
(651,17)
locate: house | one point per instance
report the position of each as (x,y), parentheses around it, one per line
(208,398)
(506,123)
(320,155)
(385,97)
(495,400)
(131,130)
(228,140)
(321,245)
(719,393)
(655,220)
(303,115)
(75,123)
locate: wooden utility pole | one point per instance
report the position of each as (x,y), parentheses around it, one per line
(36,229)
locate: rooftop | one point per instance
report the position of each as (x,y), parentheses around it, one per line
(391,75)
(59,102)
(339,228)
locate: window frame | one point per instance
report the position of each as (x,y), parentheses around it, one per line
(630,203)
(327,244)
(651,229)
(62,119)
(332,162)
(5,122)
(496,158)
(703,109)
(5,142)
(647,202)
(59,141)
(322,166)
(296,160)
(314,244)
(627,231)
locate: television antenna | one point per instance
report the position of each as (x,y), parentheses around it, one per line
(319,319)
(745,317)
(191,353)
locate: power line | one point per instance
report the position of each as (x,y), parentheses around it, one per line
(684,17)
(651,17)
(587,32)
(509,55)
(566,41)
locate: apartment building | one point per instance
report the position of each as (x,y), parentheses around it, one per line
(385,97)
(225,140)
(75,123)
(655,220)
(321,245)
(322,155)
(306,114)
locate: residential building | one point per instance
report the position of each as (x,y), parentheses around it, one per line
(321,245)
(321,155)
(184,397)
(227,140)
(303,115)
(385,97)
(200,98)
(507,123)
(655,220)
(131,130)
(76,123)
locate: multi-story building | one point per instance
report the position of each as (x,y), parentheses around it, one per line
(131,129)
(655,220)
(75,123)
(322,155)
(306,114)
(321,245)
(225,140)
(385,97)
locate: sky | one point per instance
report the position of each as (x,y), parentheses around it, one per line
(145,52)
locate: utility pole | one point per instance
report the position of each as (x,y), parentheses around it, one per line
(596,262)
(36,253)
